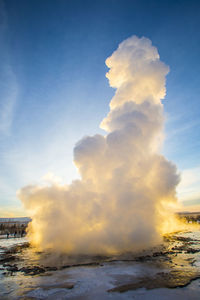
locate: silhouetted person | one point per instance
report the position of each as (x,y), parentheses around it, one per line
(8,235)
(15,234)
(22,232)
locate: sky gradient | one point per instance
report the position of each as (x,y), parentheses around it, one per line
(53,89)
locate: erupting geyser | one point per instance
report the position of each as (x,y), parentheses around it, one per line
(120,203)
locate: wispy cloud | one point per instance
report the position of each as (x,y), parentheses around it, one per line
(8,83)
(182,129)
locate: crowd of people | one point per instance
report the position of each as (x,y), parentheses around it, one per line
(10,230)
(19,233)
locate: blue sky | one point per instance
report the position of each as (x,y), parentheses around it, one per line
(53,88)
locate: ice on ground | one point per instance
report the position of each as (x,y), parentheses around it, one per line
(180,256)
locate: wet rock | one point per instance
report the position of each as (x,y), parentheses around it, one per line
(87,264)
(51,268)
(81,265)
(183,239)
(33,270)
(170,252)
(7,265)
(65,267)
(7,258)
(172,279)
(155,254)
(192,250)
(12,269)
(143,258)
(65,285)
(18,248)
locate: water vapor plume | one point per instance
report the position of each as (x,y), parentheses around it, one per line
(120,202)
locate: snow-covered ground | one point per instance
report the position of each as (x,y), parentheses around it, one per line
(95,281)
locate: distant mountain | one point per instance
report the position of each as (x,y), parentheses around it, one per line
(188,213)
(12,220)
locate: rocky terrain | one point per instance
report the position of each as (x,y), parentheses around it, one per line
(174,264)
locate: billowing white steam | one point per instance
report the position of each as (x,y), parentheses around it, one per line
(118,205)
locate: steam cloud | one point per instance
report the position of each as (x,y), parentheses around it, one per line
(119,204)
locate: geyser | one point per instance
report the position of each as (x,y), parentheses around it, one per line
(120,203)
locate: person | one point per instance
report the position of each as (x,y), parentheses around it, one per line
(15,234)
(8,235)
(22,232)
